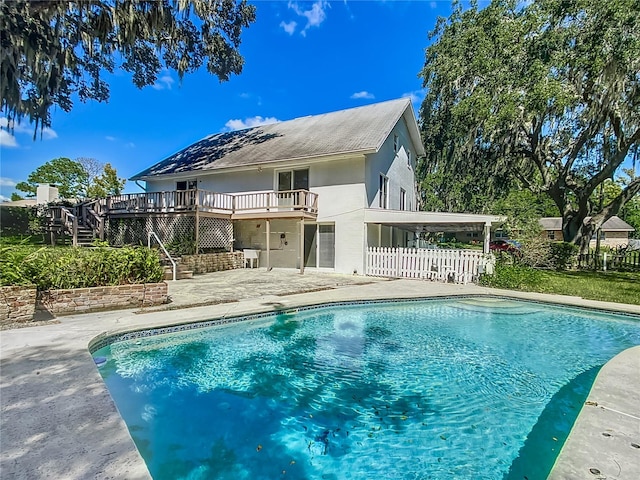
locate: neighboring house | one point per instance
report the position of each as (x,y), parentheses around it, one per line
(613,233)
(311,192)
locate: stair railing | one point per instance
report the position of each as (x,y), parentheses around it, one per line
(70,221)
(173,262)
(92,218)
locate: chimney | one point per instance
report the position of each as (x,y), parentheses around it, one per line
(46,193)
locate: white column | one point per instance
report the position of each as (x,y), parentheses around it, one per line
(487,237)
(301,246)
(268,244)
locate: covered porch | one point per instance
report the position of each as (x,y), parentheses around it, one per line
(381,225)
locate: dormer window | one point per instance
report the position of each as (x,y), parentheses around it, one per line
(395,143)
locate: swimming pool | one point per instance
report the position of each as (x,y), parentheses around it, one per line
(455,388)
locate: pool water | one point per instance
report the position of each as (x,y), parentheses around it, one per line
(439,389)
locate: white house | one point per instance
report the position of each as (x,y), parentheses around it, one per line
(311,192)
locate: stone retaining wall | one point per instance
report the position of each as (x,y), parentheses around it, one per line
(213,262)
(17,304)
(83,300)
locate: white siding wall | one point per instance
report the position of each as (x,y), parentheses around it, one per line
(341,200)
(393,165)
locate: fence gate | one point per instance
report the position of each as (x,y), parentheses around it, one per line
(460,266)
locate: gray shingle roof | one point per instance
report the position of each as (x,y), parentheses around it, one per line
(612,225)
(356,130)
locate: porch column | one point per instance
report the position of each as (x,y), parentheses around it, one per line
(487,237)
(197,222)
(268,244)
(302,246)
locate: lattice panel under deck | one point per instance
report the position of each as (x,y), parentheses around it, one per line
(214,232)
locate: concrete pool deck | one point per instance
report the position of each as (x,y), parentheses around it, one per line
(57,419)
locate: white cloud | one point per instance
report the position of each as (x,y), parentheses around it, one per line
(110,138)
(417,96)
(237,124)
(433,4)
(7,140)
(4,199)
(7,182)
(315,15)
(130,145)
(164,83)
(290,27)
(363,94)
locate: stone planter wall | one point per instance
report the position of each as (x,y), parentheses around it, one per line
(83,300)
(17,304)
(213,262)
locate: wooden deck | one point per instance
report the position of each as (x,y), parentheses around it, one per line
(292,203)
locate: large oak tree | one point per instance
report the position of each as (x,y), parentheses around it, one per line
(54,49)
(543,94)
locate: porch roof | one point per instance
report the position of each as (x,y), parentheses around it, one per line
(430,221)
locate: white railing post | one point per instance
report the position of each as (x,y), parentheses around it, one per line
(173,263)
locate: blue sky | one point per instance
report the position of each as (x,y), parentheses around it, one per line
(301,58)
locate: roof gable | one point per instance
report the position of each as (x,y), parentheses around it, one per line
(356,130)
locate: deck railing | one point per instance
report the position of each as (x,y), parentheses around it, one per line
(205,201)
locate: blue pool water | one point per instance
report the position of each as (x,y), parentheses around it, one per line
(440,389)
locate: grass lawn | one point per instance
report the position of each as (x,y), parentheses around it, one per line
(620,287)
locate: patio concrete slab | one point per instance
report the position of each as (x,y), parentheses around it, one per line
(57,419)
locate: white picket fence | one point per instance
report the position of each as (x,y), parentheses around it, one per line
(460,266)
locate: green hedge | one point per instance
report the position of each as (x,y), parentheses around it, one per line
(57,268)
(516,277)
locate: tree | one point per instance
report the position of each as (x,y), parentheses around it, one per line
(68,175)
(83,177)
(545,95)
(54,49)
(107,183)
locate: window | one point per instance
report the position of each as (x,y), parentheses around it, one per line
(409,158)
(395,143)
(185,195)
(473,235)
(384,191)
(551,235)
(403,199)
(293,180)
(187,185)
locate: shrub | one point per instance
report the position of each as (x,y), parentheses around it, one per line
(55,268)
(562,255)
(511,277)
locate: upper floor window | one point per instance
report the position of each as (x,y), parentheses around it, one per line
(403,199)
(409,158)
(293,180)
(186,185)
(395,143)
(383,194)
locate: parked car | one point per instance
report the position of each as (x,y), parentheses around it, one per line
(504,246)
